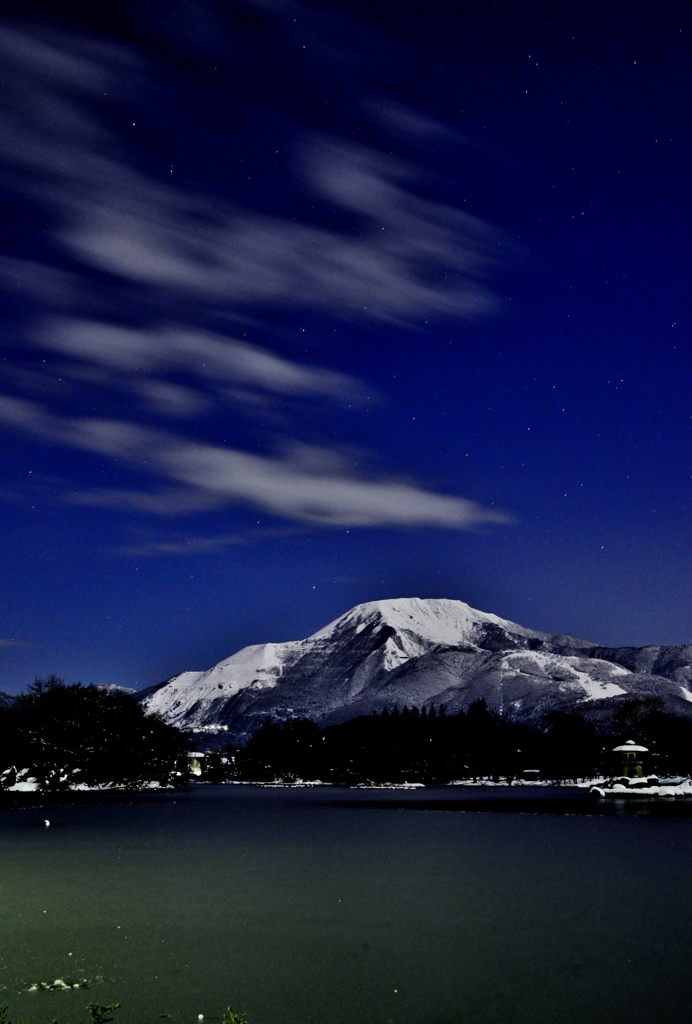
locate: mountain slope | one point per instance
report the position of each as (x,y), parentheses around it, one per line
(418,652)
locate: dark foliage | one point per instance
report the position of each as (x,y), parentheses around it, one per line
(410,745)
(66,734)
(432,747)
(668,737)
(426,746)
(289,751)
(572,749)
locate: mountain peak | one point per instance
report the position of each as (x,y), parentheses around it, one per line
(438,620)
(419,652)
(416,652)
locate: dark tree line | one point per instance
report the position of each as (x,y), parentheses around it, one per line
(434,748)
(64,734)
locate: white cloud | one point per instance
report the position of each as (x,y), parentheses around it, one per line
(407,258)
(410,258)
(281,486)
(171,399)
(408,122)
(188,546)
(205,545)
(164,502)
(50,286)
(208,356)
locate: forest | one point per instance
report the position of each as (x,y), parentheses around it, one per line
(73,735)
(64,735)
(432,747)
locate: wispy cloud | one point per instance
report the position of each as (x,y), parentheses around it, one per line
(282,486)
(164,501)
(192,258)
(204,545)
(411,257)
(204,355)
(189,546)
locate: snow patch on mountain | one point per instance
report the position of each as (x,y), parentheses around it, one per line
(569,672)
(596,689)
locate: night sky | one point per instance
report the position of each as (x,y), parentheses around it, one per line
(309,305)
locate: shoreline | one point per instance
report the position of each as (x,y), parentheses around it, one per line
(34,799)
(10,800)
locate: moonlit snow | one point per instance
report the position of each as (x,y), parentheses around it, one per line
(415,652)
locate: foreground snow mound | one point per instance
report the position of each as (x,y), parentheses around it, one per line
(414,652)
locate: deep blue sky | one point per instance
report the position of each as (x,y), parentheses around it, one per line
(308,305)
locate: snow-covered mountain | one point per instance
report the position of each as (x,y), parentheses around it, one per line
(413,652)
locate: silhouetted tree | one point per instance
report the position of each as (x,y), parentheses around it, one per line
(66,734)
(668,737)
(437,747)
(573,750)
(280,751)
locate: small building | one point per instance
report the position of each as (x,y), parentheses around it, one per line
(630,754)
(195,758)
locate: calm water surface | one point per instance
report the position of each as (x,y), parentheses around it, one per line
(330,906)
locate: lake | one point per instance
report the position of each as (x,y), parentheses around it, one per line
(331,906)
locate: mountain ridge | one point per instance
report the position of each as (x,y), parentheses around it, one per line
(419,652)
